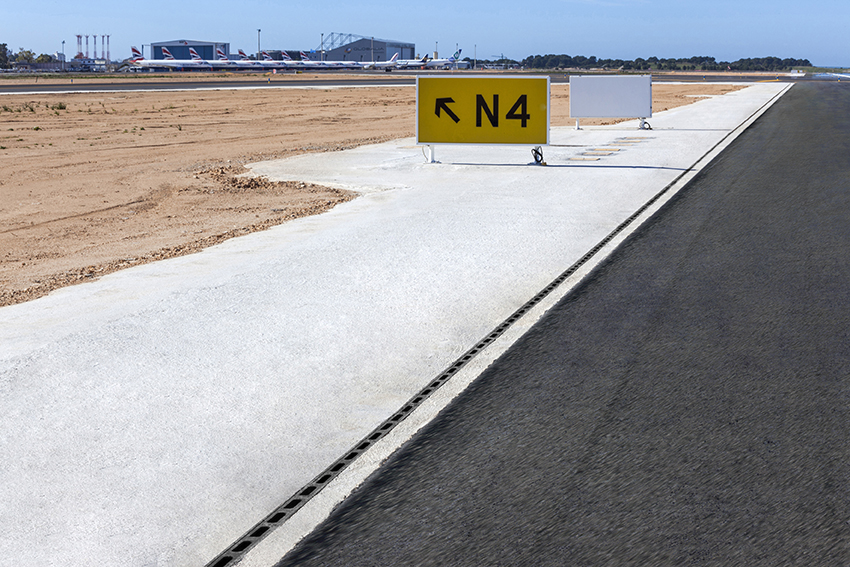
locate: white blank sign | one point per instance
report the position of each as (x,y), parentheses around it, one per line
(611,96)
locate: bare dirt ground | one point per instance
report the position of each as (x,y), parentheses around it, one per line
(93,183)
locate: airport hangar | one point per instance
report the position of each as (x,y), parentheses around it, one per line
(337,47)
(362,49)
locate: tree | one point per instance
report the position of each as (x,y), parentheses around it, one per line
(5,55)
(25,56)
(44,58)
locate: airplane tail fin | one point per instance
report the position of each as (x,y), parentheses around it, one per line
(304,57)
(267,57)
(194,54)
(394,58)
(222,56)
(167,54)
(137,55)
(242,55)
(285,56)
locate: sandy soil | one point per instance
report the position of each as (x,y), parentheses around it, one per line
(92,183)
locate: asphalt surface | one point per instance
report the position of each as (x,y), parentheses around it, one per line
(688,404)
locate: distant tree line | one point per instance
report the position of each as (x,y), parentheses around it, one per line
(8,57)
(654,63)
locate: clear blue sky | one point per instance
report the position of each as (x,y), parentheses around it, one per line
(626,29)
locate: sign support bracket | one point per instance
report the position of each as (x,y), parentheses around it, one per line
(431,154)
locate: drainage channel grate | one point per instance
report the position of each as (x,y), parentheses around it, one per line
(241,546)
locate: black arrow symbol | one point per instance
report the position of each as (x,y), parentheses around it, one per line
(443,103)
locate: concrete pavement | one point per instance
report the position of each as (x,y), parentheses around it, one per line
(155,415)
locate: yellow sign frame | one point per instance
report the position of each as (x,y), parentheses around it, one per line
(482,110)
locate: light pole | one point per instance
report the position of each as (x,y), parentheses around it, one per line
(258,44)
(63,55)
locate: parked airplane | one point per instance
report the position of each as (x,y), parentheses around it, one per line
(412,63)
(194,55)
(221,62)
(386,65)
(242,63)
(306,62)
(444,63)
(138,59)
(426,62)
(287,62)
(169,62)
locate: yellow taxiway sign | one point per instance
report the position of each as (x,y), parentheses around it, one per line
(482,110)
